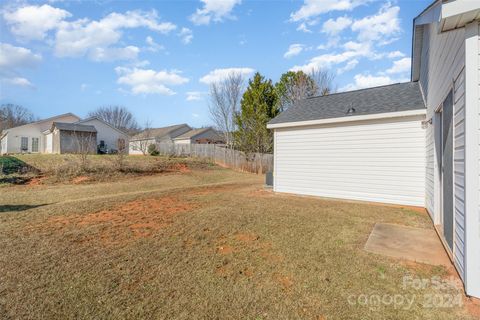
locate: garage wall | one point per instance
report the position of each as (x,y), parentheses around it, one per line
(376,160)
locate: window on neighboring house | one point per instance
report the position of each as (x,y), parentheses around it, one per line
(34,144)
(24,144)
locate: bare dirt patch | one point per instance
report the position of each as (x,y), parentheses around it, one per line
(80,179)
(34,182)
(472,307)
(246,237)
(129,221)
(262,193)
(285,281)
(225,249)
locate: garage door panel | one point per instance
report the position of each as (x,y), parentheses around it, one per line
(381,160)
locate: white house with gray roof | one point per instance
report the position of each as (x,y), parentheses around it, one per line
(43,136)
(415,143)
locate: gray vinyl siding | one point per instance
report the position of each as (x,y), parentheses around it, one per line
(441,70)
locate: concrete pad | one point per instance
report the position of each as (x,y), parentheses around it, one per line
(416,244)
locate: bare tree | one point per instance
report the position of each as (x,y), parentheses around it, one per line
(225,99)
(117,116)
(85,143)
(12,115)
(121,154)
(145,138)
(323,80)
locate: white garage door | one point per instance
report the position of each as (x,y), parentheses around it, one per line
(377,160)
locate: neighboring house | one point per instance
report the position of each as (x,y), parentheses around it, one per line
(30,138)
(72,138)
(412,144)
(201,136)
(108,137)
(39,136)
(141,141)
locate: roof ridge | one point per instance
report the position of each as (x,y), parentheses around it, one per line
(362,89)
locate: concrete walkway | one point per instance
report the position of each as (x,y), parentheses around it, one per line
(416,244)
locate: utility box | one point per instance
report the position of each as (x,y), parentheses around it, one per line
(269,179)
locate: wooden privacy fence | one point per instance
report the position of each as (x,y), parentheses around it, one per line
(238,160)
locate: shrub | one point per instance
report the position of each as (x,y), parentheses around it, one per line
(152,150)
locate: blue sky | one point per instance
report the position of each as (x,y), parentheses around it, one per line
(157,58)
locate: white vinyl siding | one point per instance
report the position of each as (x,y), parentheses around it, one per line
(376,160)
(441,70)
(459,170)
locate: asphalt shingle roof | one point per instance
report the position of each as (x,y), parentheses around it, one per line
(390,98)
(158,132)
(192,133)
(74,127)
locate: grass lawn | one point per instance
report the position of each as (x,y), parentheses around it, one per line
(203,243)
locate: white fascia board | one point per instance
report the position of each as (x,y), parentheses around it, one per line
(455,8)
(472,170)
(349,119)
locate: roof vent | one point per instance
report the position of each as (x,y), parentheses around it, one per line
(351,111)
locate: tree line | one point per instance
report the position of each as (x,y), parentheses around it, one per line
(242,114)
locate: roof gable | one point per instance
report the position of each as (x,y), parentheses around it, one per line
(47,120)
(104,122)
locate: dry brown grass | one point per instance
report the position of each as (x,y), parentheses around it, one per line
(35,169)
(164,247)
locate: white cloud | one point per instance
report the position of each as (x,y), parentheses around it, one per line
(186,35)
(293,50)
(214,10)
(33,22)
(313,8)
(152,45)
(303,27)
(83,86)
(400,66)
(368,81)
(17,81)
(112,54)
(12,59)
(195,95)
(352,51)
(80,37)
(349,66)
(220,74)
(395,54)
(380,26)
(335,26)
(147,81)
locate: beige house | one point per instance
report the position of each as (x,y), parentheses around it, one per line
(201,136)
(140,142)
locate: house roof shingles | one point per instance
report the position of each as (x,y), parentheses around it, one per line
(390,98)
(74,127)
(192,133)
(158,132)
